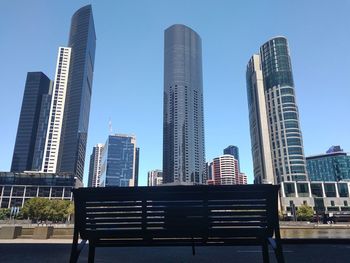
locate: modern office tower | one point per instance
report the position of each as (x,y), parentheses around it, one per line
(155,178)
(259,130)
(282,115)
(95,166)
(82,41)
(118,166)
(332,166)
(183,125)
(233,150)
(57,108)
(37,88)
(225,170)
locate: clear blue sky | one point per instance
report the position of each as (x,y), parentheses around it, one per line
(128,78)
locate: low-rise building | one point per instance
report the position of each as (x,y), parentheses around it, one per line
(323,197)
(16,188)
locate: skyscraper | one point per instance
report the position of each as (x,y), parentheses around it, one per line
(54,128)
(82,41)
(259,129)
(95,166)
(183,124)
(118,164)
(233,150)
(278,106)
(36,93)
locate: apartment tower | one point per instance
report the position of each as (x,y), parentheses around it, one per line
(277,109)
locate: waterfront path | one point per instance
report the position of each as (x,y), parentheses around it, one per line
(52,251)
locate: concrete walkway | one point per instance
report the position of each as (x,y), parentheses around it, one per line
(18,251)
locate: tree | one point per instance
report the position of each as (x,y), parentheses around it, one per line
(37,209)
(58,210)
(305,213)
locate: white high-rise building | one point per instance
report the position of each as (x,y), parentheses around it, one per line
(53,137)
(95,166)
(259,130)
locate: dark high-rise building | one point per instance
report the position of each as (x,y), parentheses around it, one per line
(32,118)
(42,131)
(233,150)
(82,41)
(183,125)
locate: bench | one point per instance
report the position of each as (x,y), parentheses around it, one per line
(201,215)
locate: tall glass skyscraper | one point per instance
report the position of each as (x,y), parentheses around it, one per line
(35,100)
(118,161)
(282,114)
(183,124)
(82,41)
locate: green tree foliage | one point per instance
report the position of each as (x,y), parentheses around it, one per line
(37,209)
(4,213)
(42,209)
(305,213)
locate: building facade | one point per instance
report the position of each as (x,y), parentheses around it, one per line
(323,197)
(183,124)
(36,92)
(331,166)
(241,178)
(118,166)
(285,138)
(259,128)
(54,128)
(95,166)
(82,41)
(16,188)
(224,170)
(155,178)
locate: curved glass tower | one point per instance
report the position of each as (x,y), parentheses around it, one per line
(82,41)
(282,111)
(183,130)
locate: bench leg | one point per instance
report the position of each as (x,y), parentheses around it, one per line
(74,254)
(279,252)
(91,252)
(265,251)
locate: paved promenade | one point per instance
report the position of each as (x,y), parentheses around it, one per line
(52,251)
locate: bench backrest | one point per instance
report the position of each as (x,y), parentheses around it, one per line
(176,211)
